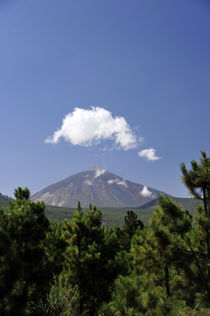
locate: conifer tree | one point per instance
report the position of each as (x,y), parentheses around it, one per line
(84,260)
(157,267)
(197,180)
(25,226)
(9,266)
(132,223)
(170,225)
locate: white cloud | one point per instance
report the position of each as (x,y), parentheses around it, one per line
(149,154)
(88,127)
(111,181)
(89,182)
(123,182)
(118,181)
(99,172)
(145,192)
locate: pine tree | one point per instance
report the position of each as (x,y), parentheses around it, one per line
(197,181)
(170,224)
(158,256)
(84,260)
(9,266)
(24,227)
(132,223)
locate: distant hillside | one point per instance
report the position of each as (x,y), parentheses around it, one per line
(189,204)
(4,200)
(97,186)
(111,216)
(115,216)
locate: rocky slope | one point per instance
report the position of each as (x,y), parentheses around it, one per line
(97,186)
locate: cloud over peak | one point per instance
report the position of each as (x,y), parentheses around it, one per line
(89,182)
(89,127)
(118,181)
(149,154)
(145,192)
(99,172)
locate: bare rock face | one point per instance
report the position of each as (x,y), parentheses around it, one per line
(96,186)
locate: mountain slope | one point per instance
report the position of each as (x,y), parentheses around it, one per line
(189,204)
(4,200)
(96,186)
(115,216)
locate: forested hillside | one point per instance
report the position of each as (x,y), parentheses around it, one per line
(81,267)
(115,215)
(111,216)
(4,200)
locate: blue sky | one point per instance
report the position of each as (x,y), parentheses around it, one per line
(147,62)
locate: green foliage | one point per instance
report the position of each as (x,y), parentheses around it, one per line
(22,194)
(110,216)
(62,300)
(124,298)
(197,181)
(115,216)
(198,178)
(24,263)
(54,247)
(81,267)
(132,223)
(89,257)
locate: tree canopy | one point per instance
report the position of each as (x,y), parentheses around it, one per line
(81,267)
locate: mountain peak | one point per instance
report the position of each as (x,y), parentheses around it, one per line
(95,168)
(97,186)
